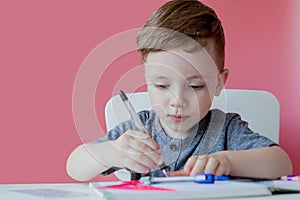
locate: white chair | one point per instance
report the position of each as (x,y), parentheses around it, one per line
(259,108)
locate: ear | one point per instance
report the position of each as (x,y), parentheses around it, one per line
(221,81)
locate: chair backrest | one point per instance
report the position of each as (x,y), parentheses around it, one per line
(259,108)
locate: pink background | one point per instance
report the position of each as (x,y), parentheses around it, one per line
(44,43)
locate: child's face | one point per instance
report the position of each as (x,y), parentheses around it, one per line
(181,86)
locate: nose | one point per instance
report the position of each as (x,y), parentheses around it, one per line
(178,98)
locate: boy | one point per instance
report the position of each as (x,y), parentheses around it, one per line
(182,52)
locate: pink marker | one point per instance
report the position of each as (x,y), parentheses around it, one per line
(295,178)
(291,178)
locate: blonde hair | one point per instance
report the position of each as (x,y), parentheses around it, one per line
(179,23)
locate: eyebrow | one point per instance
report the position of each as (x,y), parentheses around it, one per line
(187,78)
(159,77)
(194,77)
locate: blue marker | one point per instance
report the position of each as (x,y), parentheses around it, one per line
(199,178)
(221,178)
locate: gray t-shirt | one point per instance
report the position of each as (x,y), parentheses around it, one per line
(217,131)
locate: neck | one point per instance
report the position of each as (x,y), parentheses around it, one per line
(176,134)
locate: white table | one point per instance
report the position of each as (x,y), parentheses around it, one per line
(46,191)
(82,192)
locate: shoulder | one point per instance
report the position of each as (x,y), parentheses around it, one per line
(232,122)
(147,117)
(239,135)
(146,114)
(227,118)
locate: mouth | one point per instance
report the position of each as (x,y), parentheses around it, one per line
(177,118)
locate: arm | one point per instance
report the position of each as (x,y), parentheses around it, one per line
(133,150)
(265,162)
(83,164)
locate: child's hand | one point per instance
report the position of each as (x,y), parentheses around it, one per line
(136,151)
(216,163)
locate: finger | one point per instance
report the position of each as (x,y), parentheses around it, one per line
(140,135)
(142,159)
(179,173)
(145,138)
(129,140)
(143,146)
(154,156)
(128,148)
(200,165)
(222,169)
(134,166)
(211,166)
(146,145)
(140,148)
(188,167)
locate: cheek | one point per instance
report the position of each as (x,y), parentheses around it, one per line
(203,105)
(212,88)
(158,103)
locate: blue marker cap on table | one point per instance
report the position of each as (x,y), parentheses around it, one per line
(204,178)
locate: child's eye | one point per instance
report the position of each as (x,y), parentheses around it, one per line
(196,87)
(161,85)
